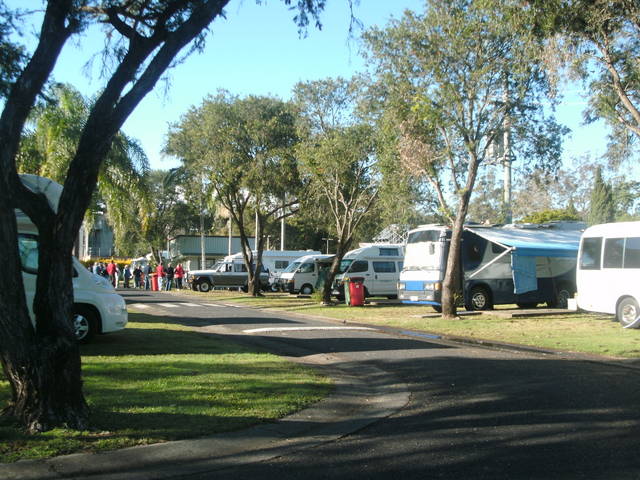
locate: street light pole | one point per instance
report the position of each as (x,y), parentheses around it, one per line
(327,240)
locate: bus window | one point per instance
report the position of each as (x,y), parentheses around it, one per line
(613,252)
(591,249)
(632,253)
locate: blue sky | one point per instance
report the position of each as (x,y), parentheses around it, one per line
(257,50)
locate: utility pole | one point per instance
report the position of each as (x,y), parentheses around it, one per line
(507,159)
(282,227)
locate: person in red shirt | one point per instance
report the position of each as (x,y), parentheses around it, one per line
(178,274)
(112,271)
(160,274)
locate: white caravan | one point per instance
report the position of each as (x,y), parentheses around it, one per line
(97,307)
(378,264)
(303,274)
(522,264)
(608,271)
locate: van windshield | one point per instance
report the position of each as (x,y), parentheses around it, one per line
(292,267)
(344,265)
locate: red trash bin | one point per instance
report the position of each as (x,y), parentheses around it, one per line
(154,282)
(356,291)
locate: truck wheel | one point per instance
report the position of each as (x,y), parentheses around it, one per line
(627,313)
(204,286)
(85,323)
(306,289)
(480,299)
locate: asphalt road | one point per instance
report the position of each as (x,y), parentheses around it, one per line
(473,413)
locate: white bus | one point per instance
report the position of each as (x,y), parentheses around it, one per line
(608,276)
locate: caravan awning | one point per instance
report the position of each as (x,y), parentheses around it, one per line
(533,242)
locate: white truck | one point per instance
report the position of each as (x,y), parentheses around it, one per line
(378,264)
(303,274)
(97,307)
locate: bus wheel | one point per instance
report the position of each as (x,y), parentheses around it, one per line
(627,313)
(480,299)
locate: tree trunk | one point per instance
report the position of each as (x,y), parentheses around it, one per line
(341,249)
(42,365)
(450,285)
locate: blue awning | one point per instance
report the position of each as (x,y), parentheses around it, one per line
(525,244)
(533,242)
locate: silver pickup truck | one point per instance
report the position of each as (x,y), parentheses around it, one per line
(224,275)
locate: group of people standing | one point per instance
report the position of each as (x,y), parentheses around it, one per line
(168,276)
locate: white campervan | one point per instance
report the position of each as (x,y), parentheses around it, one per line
(608,271)
(97,307)
(378,264)
(303,274)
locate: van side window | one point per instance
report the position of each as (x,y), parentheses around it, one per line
(632,253)
(389,252)
(281,264)
(359,266)
(591,249)
(28,247)
(384,267)
(613,253)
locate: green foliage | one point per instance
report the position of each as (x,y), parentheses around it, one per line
(12,55)
(600,43)
(552,215)
(601,207)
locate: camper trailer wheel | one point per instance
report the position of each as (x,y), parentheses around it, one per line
(85,323)
(480,299)
(562,298)
(306,289)
(204,285)
(628,312)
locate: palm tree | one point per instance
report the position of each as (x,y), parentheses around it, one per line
(50,142)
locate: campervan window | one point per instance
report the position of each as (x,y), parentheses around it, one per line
(389,252)
(384,267)
(591,249)
(632,253)
(613,253)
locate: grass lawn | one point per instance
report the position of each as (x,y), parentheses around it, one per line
(573,332)
(155,382)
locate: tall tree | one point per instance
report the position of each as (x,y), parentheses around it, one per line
(600,42)
(245,148)
(601,206)
(454,76)
(42,362)
(338,160)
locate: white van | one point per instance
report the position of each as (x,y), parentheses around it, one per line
(380,266)
(97,307)
(303,274)
(608,271)
(275,261)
